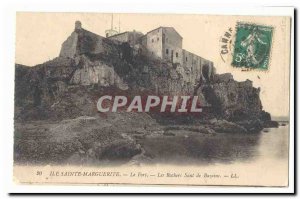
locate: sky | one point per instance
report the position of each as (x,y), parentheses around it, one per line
(39,37)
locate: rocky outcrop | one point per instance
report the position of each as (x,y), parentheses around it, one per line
(56,89)
(56,119)
(236,100)
(82,140)
(223,126)
(97,72)
(90,65)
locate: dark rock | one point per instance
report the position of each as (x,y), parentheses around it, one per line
(167,133)
(119,149)
(223,126)
(198,129)
(255,125)
(68,86)
(271,124)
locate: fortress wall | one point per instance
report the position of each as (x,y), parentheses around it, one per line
(69,47)
(174,53)
(172,37)
(154,43)
(89,43)
(122,37)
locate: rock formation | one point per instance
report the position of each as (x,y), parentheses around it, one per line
(56,117)
(90,65)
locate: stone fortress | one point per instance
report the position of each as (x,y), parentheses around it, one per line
(166,43)
(131,63)
(162,43)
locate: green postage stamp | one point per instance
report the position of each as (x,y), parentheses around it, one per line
(252,46)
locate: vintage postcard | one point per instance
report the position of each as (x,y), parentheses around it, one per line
(152,99)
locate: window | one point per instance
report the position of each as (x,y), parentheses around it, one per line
(167,40)
(167,51)
(152,40)
(185,58)
(176,54)
(157,38)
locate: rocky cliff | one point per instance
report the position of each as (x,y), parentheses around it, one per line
(90,66)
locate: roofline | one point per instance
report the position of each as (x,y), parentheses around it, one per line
(165,27)
(154,29)
(126,32)
(175,31)
(85,30)
(118,34)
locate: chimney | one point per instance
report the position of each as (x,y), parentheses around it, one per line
(77,25)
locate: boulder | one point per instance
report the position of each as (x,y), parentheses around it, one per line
(223,126)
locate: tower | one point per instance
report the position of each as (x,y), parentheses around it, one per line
(77,25)
(111,31)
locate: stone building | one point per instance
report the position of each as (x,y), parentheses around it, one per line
(163,43)
(82,41)
(131,37)
(166,43)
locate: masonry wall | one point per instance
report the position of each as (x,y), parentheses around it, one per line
(132,38)
(172,37)
(164,43)
(69,47)
(172,45)
(89,42)
(154,43)
(122,37)
(210,65)
(82,42)
(172,53)
(143,40)
(194,66)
